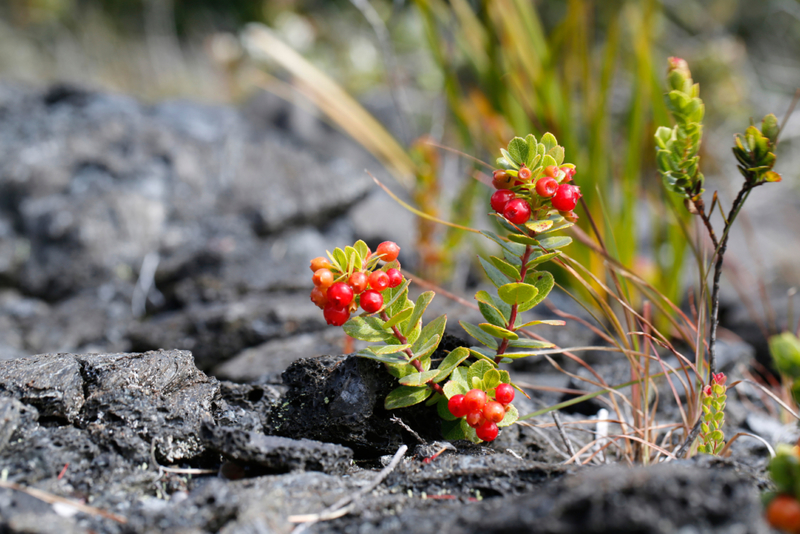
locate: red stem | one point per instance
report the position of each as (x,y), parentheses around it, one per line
(418,366)
(513,316)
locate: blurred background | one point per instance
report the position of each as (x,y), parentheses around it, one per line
(382,84)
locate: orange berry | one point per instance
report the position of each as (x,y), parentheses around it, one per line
(494,411)
(319,297)
(358,281)
(322,278)
(784,513)
(551,171)
(320,263)
(388,251)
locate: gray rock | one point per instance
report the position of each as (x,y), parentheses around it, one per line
(275,454)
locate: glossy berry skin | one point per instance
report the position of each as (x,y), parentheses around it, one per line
(371,301)
(504,393)
(502,180)
(566,198)
(335,315)
(475,419)
(546,187)
(340,295)
(475,400)
(569,172)
(319,297)
(517,211)
(395,277)
(783,513)
(388,251)
(358,281)
(320,263)
(487,431)
(500,199)
(524,174)
(378,280)
(551,171)
(323,278)
(494,411)
(456,406)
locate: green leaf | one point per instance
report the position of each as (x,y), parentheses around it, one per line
(341,258)
(334,264)
(459,375)
(527,343)
(519,355)
(785,351)
(452,388)
(451,361)
(479,334)
(523,239)
(383,358)
(511,417)
(518,149)
(717,435)
(531,141)
(443,410)
(541,280)
(495,275)
(517,293)
(397,298)
(419,379)
(498,331)
(549,322)
(367,329)
(469,432)
(547,161)
(427,347)
(491,314)
(513,248)
(362,248)
(482,354)
(549,141)
(506,268)
(491,379)
(557,153)
(558,226)
(433,328)
(406,396)
(552,243)
(452,431)
(419,308)
(512,164)
(539,226)
(388,349)
(399,316)
(353,259)
(478,370)
(543,258)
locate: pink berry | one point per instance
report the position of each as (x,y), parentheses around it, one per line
(378,280)
(500,198)
(335,315)
(475,419)
(566,198)
(371,301)
(517,211)
(475,400)
(388,251)
(340,295)
(395,277)
(487,431)
(546,187)
(504,393)
(494,411)
(456,406)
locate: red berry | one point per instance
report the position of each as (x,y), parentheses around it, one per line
(500,199)
(502,180)
(569,172)
(504,393)
(388,251)
(475,419)
(783,513)
(551,171)
(320,263)
(358,281)
(546,187)
(335,315)
(378,280)
(323,278)
(371,301)
(566,198)
(524,174)
(487,431)
(456,406)
(319,297)
(395,277)
(475,400)
(517,211)
(494,411)
(340,295)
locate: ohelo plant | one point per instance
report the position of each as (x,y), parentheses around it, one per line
(533,201)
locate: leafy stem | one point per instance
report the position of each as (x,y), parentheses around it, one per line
(512,318)
(415,362)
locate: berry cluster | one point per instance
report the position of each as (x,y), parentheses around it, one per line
(481,412)
(340,292)
(521,193)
